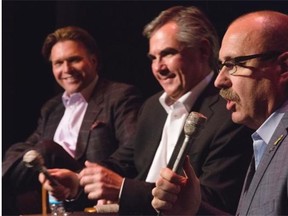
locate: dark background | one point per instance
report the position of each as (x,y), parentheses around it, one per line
(27,80)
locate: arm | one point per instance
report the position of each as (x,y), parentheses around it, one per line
(12,168)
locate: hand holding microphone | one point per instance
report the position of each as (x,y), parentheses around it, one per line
(193,124)
(33,159)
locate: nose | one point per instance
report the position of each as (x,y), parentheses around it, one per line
(222,80)
(66,67)
(158,65)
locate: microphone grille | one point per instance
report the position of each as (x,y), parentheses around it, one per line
(193,123)
(33,159)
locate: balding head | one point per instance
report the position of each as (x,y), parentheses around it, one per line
(264,30)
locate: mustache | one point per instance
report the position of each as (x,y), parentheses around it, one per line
(228,94)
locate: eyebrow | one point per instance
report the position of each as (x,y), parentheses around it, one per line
(168,50)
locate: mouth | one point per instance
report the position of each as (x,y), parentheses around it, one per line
(166,75)
(230,97)
(230,105)
(70,79)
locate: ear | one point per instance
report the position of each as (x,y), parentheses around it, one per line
(94,60)
(283,58)
(205,48)
(284,68)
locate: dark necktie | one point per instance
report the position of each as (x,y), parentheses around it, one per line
(250,174)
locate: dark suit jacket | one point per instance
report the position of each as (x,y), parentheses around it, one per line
(268,190)
(220,155)
(109,122)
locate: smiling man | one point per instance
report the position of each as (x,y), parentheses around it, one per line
(183,48)
(88,121)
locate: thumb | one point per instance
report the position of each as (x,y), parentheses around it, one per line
(90,164)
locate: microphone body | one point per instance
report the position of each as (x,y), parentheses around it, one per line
(193,124)
(33,159)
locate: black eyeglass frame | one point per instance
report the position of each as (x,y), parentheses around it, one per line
(240,60)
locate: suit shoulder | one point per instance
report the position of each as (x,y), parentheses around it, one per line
(116,88)
(52,103)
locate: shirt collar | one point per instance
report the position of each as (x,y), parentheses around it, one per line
(265,130)
(85,94)
(187,99)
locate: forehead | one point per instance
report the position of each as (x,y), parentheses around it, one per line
(164,37)
(241,39)
(67,47)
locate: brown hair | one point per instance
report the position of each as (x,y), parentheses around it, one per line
(69,33)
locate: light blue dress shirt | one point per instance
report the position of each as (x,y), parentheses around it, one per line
(263,135)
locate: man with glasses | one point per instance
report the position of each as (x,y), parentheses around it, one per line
(253,79)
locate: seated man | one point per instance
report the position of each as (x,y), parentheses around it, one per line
(253,78)
(89,121)
(183,48)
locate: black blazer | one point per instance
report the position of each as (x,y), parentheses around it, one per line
(109,122)
(220,155)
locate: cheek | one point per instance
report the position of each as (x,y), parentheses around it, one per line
(56,73)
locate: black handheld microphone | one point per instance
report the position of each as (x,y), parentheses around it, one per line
(33,159)
(193,124)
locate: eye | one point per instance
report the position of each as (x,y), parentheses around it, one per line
(57,63)
(74,59)
(168,52)
(151,57)
(229,65)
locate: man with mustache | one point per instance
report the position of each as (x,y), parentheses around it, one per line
(183,48)
(89,121)
(253,78)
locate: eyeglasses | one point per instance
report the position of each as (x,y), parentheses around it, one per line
(232,64)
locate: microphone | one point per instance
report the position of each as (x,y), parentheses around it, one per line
(193,124)
(33,159)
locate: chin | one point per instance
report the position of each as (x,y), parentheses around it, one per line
(70,92)
(237,118)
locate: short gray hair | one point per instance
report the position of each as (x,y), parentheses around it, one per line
(194,26)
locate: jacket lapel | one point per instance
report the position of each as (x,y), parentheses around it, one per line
(276,140)
(54,119)
(203,100)
(90,121)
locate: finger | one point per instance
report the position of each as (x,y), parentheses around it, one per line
(102,202)
(165,185)
(90,164)
(41,178)
(171,176)
(189,171)
(88,179)
(45,183)
(160,205)
(90,170)
(164,195)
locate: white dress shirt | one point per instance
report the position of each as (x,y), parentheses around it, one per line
(177,114)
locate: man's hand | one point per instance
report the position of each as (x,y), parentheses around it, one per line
(175,194)
(68,183)
(100,182)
